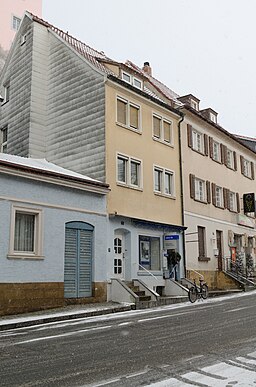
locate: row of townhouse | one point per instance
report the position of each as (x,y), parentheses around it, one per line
(176,185)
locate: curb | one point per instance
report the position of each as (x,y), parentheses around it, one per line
(72,316)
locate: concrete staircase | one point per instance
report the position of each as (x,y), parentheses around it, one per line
(143,301)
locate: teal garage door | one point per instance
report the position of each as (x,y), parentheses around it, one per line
(78,260)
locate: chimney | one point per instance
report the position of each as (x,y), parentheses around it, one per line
(146,68)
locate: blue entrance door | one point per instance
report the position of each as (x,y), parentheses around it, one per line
(78,260)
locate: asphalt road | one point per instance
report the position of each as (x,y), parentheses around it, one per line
(135,348)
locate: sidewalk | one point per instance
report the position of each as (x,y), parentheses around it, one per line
(61,314)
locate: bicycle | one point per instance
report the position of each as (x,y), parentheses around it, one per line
(197,293)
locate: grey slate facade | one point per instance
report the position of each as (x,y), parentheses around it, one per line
(65,125)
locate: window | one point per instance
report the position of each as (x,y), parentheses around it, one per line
(164,181)
(200,190)
(232,201)
(132,80)
(197,141)
(194,104)
(15,22)
(219,196)
(230,159)
(6,92)
(3,140)
(129,171)
(26,229)
(162,129)
(128,114)
(247,168)
(201,242)
(149,252)
(213,118)
(216,151)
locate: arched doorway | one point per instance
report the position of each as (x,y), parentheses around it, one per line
(78,260)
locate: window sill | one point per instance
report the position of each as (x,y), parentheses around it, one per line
(247,177)
(25,257)
(217,161)
(201,201)
(129,186)
(134,130)
(199,152)
(164,195)
(163,142)
(204,259)
(5,102)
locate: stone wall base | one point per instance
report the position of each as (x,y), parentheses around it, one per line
(215,279)
(19,298)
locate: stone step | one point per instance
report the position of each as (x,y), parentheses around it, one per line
(140,293)
(144,298)
(167,300)
(146,304)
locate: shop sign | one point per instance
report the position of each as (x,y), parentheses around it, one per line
(244,220)
(171,241)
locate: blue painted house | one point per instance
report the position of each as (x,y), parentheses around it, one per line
(53,226)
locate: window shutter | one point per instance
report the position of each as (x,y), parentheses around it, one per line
(252,170)
(235,161)
(206,148)
(223,152)
(210,147)
(157,126)
(226,197)
(208,191)
(238,202)
(242,164)
(214,194)
(192,186)
(189,134)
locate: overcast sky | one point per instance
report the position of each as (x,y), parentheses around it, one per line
(202,47)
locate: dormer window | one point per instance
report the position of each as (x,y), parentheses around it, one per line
(213,118)
(132,80)
(194,104)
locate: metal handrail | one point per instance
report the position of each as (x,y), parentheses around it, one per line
(200,275)
(148,272)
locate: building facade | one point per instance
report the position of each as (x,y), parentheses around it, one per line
(218,169)
(52,245)
(76,107)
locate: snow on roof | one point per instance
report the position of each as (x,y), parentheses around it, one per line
(42,165)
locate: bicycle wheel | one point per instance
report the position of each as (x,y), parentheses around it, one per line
(204,291)
(192,295)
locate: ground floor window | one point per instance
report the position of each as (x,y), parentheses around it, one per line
(149,252)
(26,230)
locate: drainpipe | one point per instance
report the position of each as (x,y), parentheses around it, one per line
(181,189)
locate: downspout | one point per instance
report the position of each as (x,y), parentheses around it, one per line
(181,190)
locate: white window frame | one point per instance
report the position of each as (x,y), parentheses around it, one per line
(216,156)
(3,144)
(230,158)
(219,196)
(200,190)
(129,104)
(194,104)
(132,80)
(6,92)
(161,138)
(128,170)
(16,20)
(38,233)
(213,118)
(247,171)
(232,201)
(197,141)
(163,172)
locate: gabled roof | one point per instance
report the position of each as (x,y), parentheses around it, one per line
(99,59)
(43,167)
(163,89)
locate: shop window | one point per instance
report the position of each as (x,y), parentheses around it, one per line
(149,252)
